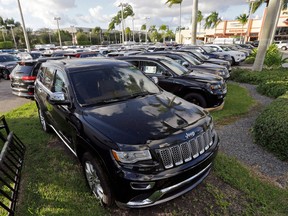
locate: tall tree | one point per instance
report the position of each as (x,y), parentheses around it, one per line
(163,29)
(242,19)
(267,33)
(212,21)
(172,2)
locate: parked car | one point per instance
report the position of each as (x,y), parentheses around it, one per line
(29,55)
(82,54)
(139,145)
(23,77)
(237,56)
(202,58)
(283,45)
(192,63)
(7,63)
(203,89)
(209,52)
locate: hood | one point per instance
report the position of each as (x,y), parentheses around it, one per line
(141,120)
(213,66)
(202,76)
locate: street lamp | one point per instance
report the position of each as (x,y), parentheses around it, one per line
(122,19)
(133,29)
(24,29)
(146,36)
(3,27)
(57,20)
(11,26)
(73,35)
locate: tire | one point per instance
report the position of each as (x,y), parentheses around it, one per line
(233,61)
(97,180)
(6,75)
(284,48)
(43,121)
(197,99)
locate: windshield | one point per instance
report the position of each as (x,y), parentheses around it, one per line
(208,49)
(191,59)
(8,58)
(225,48)
(101,85)
(175,67)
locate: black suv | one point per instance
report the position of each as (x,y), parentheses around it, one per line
(192,63)
(139,145)
(7,63)
(23,77)
(204,89)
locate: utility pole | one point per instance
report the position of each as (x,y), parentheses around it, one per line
(57,20)
(24,28)
(11,27)
(146,36)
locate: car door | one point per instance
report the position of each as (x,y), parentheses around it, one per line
(62,113)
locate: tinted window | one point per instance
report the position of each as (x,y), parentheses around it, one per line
(7,58)
(96,85)
(59,84)
(46,76)
(23,69)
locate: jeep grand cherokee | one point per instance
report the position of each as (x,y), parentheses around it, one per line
(139,145)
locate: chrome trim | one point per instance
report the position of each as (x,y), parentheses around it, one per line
(155,197)
(58,134)
(149,185)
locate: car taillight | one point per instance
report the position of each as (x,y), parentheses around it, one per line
(29,78)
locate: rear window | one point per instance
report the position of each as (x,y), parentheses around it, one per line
(24,69)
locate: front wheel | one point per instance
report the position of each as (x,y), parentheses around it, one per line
(197,99)
(6,75)
(97,180)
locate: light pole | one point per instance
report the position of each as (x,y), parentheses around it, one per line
(146,36)
(57,20)
(133,29)
(49,34)
(73,35)
(122,20)
(24,28)
(11,27)
(3,27)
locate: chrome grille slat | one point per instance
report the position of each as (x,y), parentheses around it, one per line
(186,151)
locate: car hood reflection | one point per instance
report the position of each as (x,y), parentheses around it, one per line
(149,118)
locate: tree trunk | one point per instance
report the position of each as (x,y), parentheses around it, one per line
(267,33)
(194,22)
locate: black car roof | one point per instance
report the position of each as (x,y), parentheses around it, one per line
(88,62)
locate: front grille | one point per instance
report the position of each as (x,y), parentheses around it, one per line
(186,151)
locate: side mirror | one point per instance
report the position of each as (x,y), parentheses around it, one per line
(155,79)
(58,98)
(185,64)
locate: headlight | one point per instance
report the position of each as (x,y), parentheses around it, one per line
(131,156)
(213,87)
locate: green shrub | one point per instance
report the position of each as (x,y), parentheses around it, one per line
(273,88)
(6,45)
(273,58)
(271,128)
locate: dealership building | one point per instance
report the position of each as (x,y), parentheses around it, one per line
(234,29)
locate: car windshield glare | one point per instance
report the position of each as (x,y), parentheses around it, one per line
(175,66)
(110,84)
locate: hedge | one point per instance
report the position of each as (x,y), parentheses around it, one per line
(271,128)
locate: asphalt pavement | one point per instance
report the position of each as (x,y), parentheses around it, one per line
(8,101)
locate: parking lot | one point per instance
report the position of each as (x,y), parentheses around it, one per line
(8,101)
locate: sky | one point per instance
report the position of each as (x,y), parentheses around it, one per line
(93,13)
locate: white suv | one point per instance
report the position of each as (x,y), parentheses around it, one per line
(237,56)
(283,45)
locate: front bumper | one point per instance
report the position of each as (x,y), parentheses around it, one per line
(168,184)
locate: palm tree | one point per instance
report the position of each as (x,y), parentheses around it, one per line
(170,3)
(212,21)
(199,18)
(163,29)
(268,31)
(242,19)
